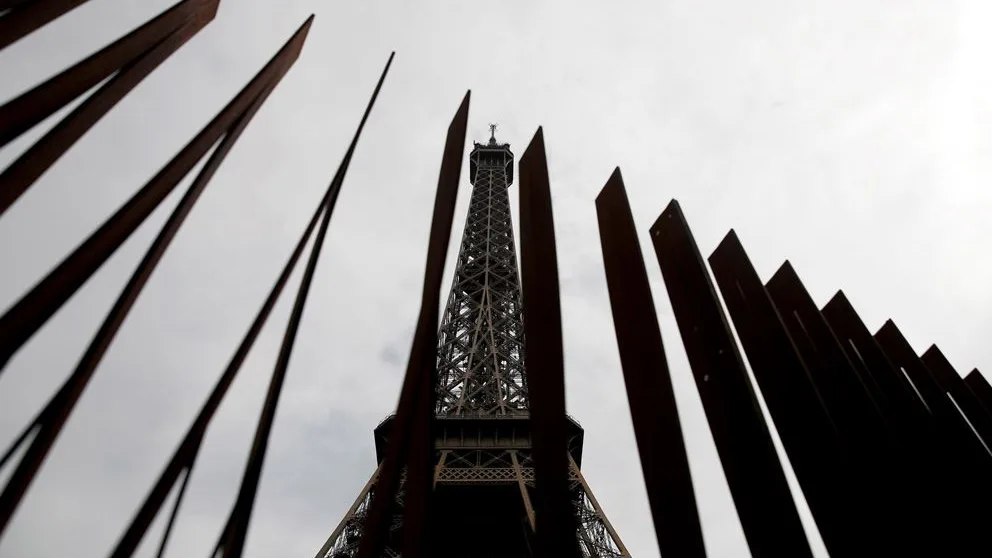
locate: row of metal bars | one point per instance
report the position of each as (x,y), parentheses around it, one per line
(124,64)
(891,450)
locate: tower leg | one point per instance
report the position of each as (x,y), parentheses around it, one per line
(597,537)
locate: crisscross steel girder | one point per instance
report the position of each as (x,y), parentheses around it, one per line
(481,340)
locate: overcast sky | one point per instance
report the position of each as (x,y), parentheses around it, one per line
(851,137)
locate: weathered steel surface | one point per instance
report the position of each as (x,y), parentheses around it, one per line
(649,385)
(757,482)
(818,457)
(556,524)
(30,311)
(132,57)
(980,387)
(25,16)
(951,383)
(896,398)
(411,442)
(844,393)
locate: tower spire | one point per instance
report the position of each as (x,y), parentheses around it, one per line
(492,132)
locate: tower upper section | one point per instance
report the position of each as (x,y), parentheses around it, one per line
(491,154)
(480,365)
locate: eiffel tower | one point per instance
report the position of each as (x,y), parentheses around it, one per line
(484,474)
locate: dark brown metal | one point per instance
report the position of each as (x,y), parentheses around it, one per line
(423,356)
(55,414)
(757,482)
(952,384)
(880,477)
(945,455)
(896,398)
(981,389)
(419,378)
(818,457)
(555,517)
(184,457)
(843,392)
(133,57)
(649,386)
(25,16)
(26,316)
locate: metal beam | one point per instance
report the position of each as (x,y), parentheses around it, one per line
(754,474)
(649,384)
(21,321)
(556,524)
(128,60)
(818,457)
(414,406)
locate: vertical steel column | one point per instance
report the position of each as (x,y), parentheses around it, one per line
(649,385)
(754,474)
(21,321)
(132,57)
(951,383)
(880,478)
(411,442)
(945,466)
(185,455)
(24,16)
(556,523)
(29,313)
(843,392)
(896,398)
(819,458)
(980,387)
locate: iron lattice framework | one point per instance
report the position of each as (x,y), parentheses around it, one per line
(481,340)
(483,437)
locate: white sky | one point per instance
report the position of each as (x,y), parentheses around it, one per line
(850,137)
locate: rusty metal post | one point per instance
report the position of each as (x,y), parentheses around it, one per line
(24,16)
(649,385)
(980,387)
(952,384)
(409,442)
(28,314)
(896,398)
(821,461)
(556,523)
(844,393)
(754,474)
(51,420)
(132,57)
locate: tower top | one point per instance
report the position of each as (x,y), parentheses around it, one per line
(492,137)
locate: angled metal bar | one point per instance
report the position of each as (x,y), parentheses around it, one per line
(896,398)
(187,19)
(25,16)
(185,455)
(754,474)
(881,476)
(555,516)
(27,315)
(420,464)
(952,384)
(902,356)
(942,463)
(818,457)
(653,409)
(842,390)
(31,107)
(980,387)
(418,380)
(55,414)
